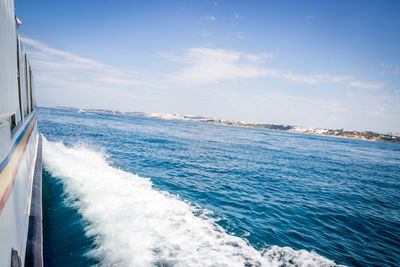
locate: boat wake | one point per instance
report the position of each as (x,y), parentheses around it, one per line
(134,224)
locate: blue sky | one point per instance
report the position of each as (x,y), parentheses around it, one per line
(332,64)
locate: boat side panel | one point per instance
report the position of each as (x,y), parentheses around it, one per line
(8,71)
(18,139)
(34,246)
(8,55)
(14,216)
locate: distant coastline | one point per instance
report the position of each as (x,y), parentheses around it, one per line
(361,135)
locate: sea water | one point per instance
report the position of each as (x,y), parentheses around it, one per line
(134,191)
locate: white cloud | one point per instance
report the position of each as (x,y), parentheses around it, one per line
(210,18)
(207,66)
(62,67)
(205,34)
(44,54)
(390,68)
(312,78)
(366,85)
(238,35)
(65,78)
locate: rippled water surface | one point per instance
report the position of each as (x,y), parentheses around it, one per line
(133,191)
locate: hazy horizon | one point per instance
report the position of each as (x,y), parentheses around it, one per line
(324,65)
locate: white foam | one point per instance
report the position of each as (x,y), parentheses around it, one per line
(137,225)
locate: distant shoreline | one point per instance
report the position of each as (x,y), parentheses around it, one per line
(357,135)
(309,133)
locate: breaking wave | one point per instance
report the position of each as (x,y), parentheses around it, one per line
(134,224)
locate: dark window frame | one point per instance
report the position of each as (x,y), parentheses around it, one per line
(19,78)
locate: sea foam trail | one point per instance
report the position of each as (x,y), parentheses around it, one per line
(137,225)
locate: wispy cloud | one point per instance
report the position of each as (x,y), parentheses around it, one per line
(207,65)
(238,35)
(390,68)
(367,85)
(205,34)
(62,67)
(312,78)
(210,18)
(65,78)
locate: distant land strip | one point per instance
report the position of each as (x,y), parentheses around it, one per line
(361,135)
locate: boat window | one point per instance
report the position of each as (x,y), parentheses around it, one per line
(13,122)
(26,85)
(19,79)
(30,86)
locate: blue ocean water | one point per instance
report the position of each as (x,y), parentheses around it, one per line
(134,191)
